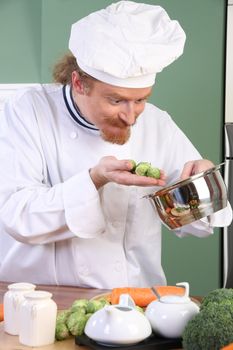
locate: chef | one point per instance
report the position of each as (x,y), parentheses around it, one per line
(71,212)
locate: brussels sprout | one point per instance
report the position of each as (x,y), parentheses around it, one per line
(134,164)
(62,331)
(63,315)
(81,310)
(79,303)
(88,316)
(142,168)
(153,172)
(94,305)
(104,301)
(76,323)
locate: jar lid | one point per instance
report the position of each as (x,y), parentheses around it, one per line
(38,294)
(174,299)
(21,286)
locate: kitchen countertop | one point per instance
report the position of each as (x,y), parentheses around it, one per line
(63,296)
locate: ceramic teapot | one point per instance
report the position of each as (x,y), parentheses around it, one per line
(169,314)
(120,324)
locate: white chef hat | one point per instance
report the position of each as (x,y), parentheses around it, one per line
(127,43)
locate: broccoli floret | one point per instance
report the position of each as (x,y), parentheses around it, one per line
(76,323)
(94,305)
(218,295)
(62,331)
(211,328)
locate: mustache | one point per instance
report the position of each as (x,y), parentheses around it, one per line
(119,123)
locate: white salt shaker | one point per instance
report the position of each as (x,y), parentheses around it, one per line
(37,316)
(11,301)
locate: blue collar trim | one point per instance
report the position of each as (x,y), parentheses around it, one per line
(74,111)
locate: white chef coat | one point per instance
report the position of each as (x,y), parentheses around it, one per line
(56,228)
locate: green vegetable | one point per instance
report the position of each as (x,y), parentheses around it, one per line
(62,316)
(88,316)
(142,168)
(76,323)
(79,303)
(133,165)
(218,296)
(94,305)
(80,309)
(72,321)
(212,327)
(153,172)
(62,331)
(145,169)
(104,301)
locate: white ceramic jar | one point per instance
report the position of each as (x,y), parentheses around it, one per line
(12,300)
(37,317)
(170,314)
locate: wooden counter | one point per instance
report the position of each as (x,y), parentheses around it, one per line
(63,296)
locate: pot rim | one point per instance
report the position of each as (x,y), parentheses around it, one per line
(186,181)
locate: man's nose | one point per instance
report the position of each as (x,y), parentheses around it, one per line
(128,114)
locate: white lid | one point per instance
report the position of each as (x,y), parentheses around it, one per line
(38,294)
(21,286)
(174,299)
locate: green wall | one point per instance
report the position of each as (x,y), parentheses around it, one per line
(35,33)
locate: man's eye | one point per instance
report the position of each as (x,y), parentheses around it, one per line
(141,100)
(115,101)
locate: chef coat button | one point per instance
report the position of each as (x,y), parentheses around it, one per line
(118,266)
(83,270)
(73,135)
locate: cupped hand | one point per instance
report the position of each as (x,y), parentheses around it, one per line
(111,169)
(195,166)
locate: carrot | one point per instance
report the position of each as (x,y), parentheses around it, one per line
(1,312)
(228,347)
(169,290)
(143,296)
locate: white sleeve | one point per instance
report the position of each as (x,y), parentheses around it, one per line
(204,227)
(32,211)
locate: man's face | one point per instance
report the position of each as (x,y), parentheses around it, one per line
(113,110)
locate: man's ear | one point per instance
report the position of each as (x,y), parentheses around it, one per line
(77,84)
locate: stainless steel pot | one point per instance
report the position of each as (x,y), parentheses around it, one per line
(191,199)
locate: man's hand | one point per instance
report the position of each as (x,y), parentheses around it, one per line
(195,167)
(110,169)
